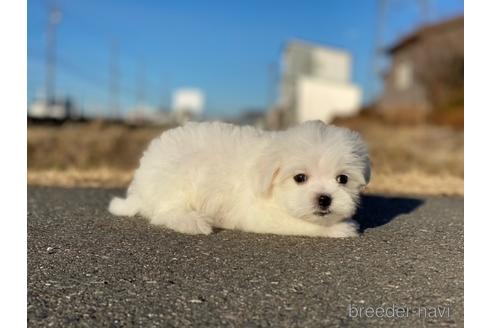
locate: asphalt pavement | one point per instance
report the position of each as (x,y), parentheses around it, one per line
(87,268)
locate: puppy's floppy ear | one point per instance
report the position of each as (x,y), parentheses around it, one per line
(367,170)
(366,164)
(361,152)
(264,172)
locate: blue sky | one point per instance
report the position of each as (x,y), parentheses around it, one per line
(222,47)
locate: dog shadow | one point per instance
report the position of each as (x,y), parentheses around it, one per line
(375,211)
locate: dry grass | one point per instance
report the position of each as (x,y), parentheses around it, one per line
(422,159)
(417,183)
(430,149)
(97,177)
(87,145)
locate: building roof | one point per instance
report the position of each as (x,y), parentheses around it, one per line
(424,30)
(313,45)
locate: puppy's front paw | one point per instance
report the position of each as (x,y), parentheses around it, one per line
(193,227)
(343,230)
(203,228)
(185,222)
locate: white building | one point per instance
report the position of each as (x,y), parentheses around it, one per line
(188,103)
(316,84)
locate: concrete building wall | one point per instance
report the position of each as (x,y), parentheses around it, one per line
(319,99)
(302,59)
(316,84)
(331,65)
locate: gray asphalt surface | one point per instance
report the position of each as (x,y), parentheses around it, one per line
(87,268)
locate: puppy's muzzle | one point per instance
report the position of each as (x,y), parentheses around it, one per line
(323,202)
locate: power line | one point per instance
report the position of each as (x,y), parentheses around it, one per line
(75,71)
(54,63)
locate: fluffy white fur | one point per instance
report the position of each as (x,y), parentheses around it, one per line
(206,175)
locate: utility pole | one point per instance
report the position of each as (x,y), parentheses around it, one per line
(54,18)
(114,105)
(141,85)
(163,90)
(272,79)
(378,55)
(141,90)
(378,48)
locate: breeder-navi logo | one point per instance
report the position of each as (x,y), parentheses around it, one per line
(398,311)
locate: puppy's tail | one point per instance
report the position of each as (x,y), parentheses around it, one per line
(123,207)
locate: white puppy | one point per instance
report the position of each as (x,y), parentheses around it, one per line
(302,181)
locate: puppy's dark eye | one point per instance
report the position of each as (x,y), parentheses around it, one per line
(342,179)
(300,178)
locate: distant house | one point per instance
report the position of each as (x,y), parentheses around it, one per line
(426,70)
(316,84)
(61,109)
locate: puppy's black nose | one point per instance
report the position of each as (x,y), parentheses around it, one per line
(324,201)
